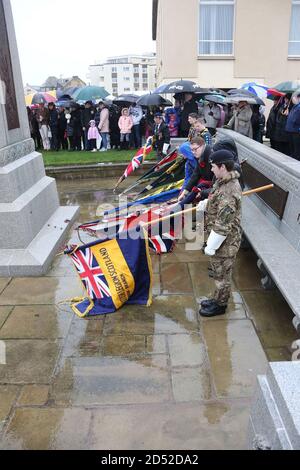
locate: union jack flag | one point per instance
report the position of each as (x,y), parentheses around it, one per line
(90,273)
(139,158)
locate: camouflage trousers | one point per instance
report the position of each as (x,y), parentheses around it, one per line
(222,273)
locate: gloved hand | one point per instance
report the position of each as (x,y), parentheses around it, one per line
(165,149)
(213,243)
(182,195)
(202,206)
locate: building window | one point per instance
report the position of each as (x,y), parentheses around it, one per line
(216,25)
(126,69)
(126,79)
(126,89)
(101,79)
(114,80)
(136,69)
(114,69)
(294,41)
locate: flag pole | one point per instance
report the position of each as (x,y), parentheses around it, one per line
(187,211)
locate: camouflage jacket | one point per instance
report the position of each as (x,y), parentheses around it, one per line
(224,213)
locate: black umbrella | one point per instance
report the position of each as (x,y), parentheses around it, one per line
(217,91)
(180,86)
(125,100)
(153,100)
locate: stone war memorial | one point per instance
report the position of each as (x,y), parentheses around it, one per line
(157,377)
(32,224)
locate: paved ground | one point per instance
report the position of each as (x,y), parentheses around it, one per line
(142,378)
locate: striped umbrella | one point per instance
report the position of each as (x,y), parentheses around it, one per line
(259,90)
(38,98)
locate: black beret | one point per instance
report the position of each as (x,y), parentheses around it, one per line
(221,156)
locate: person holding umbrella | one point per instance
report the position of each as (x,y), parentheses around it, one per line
(190,106)
(293,126)
(241,119)
(53,123)
(43,120)
(212,116)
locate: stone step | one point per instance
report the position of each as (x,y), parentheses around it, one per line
(36,259)
(17,177)
(21,220)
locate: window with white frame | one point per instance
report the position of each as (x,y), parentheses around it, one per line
(294,40)
(216,27)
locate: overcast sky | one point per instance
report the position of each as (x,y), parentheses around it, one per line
(64,37)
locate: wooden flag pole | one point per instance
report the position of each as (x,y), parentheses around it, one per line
(258,190)
(187,211)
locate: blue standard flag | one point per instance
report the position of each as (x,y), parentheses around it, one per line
(113,272)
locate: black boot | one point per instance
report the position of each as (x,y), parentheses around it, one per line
(213,310)
(210,272)
(207,302)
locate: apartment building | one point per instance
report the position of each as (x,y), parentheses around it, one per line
(225,43)
(125,74)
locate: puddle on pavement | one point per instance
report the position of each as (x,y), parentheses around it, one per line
(140,366)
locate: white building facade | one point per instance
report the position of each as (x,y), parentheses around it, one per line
(125,74)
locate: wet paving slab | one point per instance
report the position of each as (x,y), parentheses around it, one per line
(159,378)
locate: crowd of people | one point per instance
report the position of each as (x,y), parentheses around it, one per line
(108,126)
(283,125)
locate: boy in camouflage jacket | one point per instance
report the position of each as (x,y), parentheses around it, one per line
(224,227)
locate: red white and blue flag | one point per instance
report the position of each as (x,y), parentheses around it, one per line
(90,274)
(137,160)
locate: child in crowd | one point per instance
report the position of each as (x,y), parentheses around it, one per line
(172,120)
(92,136)
(125,126)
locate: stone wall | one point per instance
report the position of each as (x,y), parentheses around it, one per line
(281,170)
